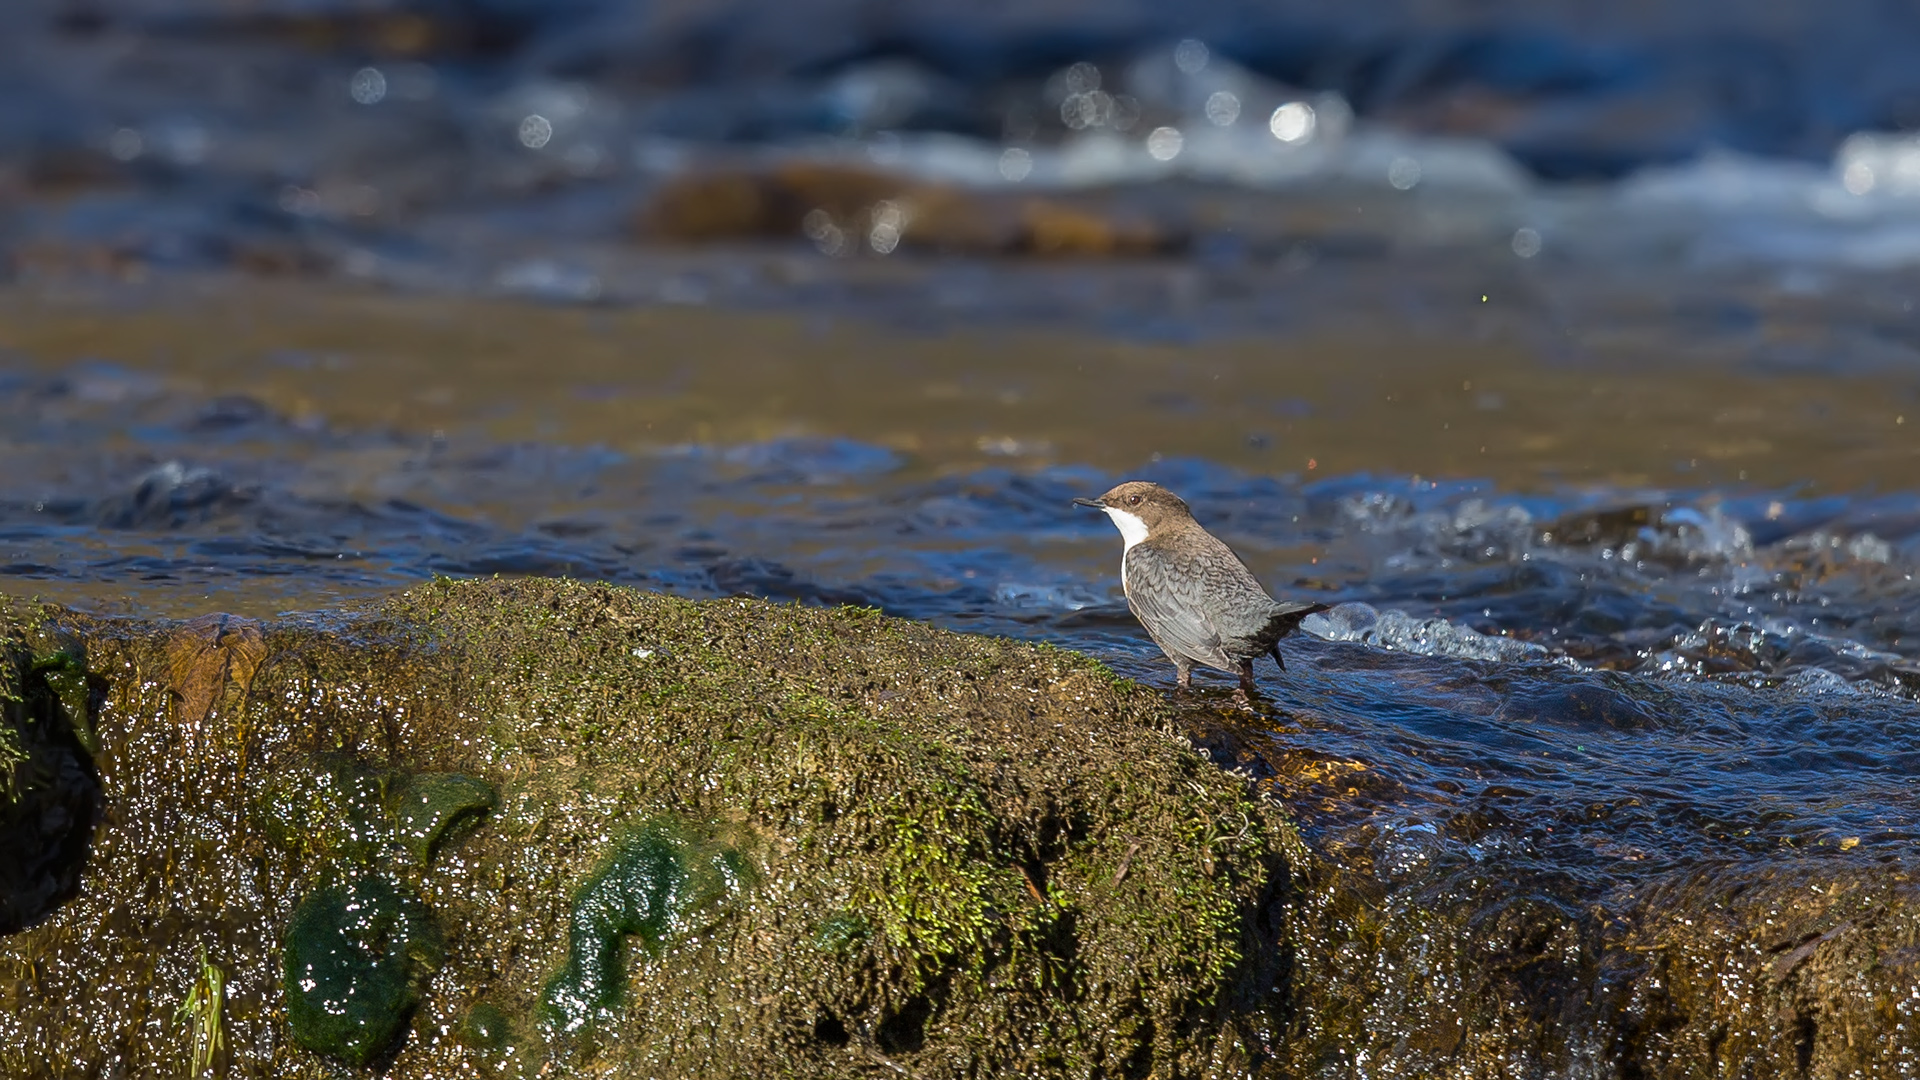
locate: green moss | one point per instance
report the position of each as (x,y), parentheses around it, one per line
(13,758)
(330,812)
(426,807)
(659,879)
(486,1026)
(842,932)
(355,958)
(65,673)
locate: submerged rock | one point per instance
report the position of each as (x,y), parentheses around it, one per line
(845,210)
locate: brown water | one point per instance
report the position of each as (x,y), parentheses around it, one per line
(1604,406)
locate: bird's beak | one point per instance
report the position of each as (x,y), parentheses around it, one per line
(1095,503)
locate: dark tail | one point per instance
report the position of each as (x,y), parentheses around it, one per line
(1285,620)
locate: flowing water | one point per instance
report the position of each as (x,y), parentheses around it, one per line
(1613,612)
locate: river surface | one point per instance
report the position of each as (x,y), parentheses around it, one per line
(1616,597)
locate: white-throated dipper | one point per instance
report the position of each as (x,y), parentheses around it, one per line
(1198,601)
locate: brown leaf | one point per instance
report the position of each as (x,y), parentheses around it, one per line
(204,653)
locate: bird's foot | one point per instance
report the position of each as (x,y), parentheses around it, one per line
(1243,700)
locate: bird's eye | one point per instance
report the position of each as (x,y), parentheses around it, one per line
(1133,500)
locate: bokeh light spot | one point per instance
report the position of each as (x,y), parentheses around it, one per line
(1164,143)
(536,131)
(1223,108)
(125,144)
(1191,56)
(1292,122)
(368,86)
(1015,164)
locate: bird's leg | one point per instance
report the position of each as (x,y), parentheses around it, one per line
(1183,672)
(1244,695)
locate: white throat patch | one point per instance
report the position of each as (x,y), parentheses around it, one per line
(1132,529)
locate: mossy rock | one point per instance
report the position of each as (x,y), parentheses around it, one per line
(750,838)
(792,842)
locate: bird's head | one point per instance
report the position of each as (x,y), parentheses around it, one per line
(1139,508)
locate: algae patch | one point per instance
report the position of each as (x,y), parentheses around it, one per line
(356,957)
(842,932)
(486,1027)
(426,808)
(337,810)
(659,879)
